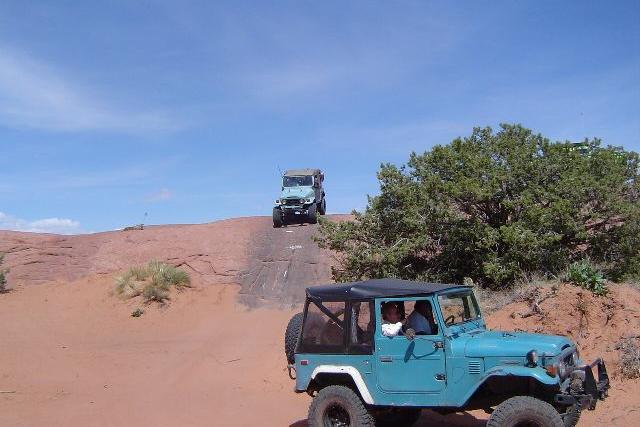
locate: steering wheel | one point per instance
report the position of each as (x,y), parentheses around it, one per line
(449,320)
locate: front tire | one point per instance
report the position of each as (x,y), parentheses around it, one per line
(322,207)
(278,221)
(339,406)
(525,411)
(313,214)
(572,416)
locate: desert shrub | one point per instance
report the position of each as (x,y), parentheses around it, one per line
(153,281)
(3,278)
(163,274)
(629,358)
(138,273)
(137,312)
(587,276)
(495,206)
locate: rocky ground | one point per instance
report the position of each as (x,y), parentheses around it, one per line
(72,355)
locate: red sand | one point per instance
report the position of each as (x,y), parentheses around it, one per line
(73,355)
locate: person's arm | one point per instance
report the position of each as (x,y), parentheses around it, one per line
(391,329)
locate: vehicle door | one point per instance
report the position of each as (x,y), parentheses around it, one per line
(408,366)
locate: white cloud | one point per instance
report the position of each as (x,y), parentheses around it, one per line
(34,95)
(160,196)
(46,225)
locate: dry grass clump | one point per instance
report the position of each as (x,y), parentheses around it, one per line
(629,357)
(153,281)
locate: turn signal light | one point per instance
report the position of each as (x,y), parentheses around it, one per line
(552,370)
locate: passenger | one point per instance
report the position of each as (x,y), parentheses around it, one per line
(421,318)
(391,323)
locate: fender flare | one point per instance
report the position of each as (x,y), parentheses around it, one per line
(537,374)
(346,370)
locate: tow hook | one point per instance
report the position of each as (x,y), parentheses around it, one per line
(292,371)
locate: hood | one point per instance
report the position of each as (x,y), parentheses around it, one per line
(297,192)
(514,344)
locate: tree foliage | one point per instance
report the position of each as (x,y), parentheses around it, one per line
(495,206)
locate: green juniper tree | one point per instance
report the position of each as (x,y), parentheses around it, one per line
(495,206)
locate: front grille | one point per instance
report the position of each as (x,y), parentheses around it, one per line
(474,367)
(291,202)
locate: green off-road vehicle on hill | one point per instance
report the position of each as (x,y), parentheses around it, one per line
(375,353)
(301,199)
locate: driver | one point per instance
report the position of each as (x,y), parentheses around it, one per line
(421,317)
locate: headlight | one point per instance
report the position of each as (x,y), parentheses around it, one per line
(277,201)
(309,200)
(562,370)
(302,201)
(532,359)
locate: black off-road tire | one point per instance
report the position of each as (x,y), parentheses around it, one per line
(525,410)
(291,336)
(341,399)
(571,416)
(313,214)
(277,218)
(398,417)
(322,207)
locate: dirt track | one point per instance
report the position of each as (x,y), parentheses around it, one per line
(282,262)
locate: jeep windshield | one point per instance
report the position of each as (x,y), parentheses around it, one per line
(297,181)
(458,307)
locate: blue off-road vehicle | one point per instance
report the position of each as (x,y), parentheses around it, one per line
(346,352)
(301,199)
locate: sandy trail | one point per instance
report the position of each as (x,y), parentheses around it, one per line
(75,357)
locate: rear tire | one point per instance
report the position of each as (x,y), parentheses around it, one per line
(313,214)
(291,336)
(525,411)
(339,405)
(278,221)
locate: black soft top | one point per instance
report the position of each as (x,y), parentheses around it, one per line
(376,288)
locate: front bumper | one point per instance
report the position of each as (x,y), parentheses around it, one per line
(584,390)
(289,210)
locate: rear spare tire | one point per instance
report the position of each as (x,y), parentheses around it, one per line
(338,405)
(525,411)
(277,218)
(291,336)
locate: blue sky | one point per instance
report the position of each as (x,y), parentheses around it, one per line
(186,110)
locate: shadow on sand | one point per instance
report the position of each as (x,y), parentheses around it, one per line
(430,418)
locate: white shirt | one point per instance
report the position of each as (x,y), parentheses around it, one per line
(391,329)
(419,323)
